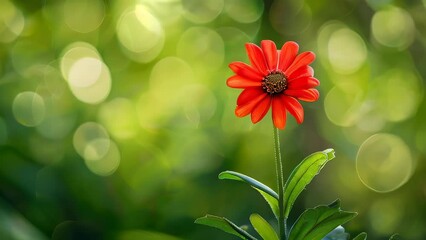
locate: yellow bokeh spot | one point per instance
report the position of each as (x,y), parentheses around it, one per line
(140,33)
(74,52)
(398,94)
(342,103)
(346,51)
(384,162)
(85,72)
(12,22)
(29,109)
(101,155)
(86,134)
(87,75)
(84,15)
(393,27)
(202,11)
(244,11)
(202,47)
(168,76)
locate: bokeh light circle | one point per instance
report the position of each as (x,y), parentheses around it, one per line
(346,51)
(85,72)
(29,108)
(398,94)
(140,33)
(244,11)
(105,164)
(202,47)
(74,52)
(393,27)
(12,22)
(202,11)
(168,75)
(384,162)
(88,135)
(89,80)
(342,103)
(88,77)
(101,155)
(84,15)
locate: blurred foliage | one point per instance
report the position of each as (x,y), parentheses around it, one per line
(115,118)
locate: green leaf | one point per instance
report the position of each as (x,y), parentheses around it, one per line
(361,236)
(263,227)
(224,225)
(302,175)
(268,194)
(273,202)
(316,223)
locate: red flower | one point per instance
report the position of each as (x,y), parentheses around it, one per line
(277,79)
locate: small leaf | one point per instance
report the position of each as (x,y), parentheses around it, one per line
(316,223)
(302,175)
(263,227)
(268,194)
(224,225)
(361,236)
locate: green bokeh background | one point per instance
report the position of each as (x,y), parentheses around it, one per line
(115,118)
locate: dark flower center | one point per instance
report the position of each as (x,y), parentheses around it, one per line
(274,83)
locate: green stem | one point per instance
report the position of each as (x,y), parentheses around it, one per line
(279,165)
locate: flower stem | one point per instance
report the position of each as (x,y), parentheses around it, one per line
(279,166)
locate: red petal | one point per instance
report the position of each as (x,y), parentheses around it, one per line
(294,107)
(303,83)
(279,116)
(256,57)
(287,55)
(260,110)
(245,109)
(249,94)
(246,71)
(241,82)
(304,71)
(307,95)
(270,52)
(302,59)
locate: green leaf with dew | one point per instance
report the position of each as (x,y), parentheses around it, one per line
(262,227)
(224,225)
(270,196)
(302,175)
(361,236)
(316,223)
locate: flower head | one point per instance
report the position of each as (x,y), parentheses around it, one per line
(275,79)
